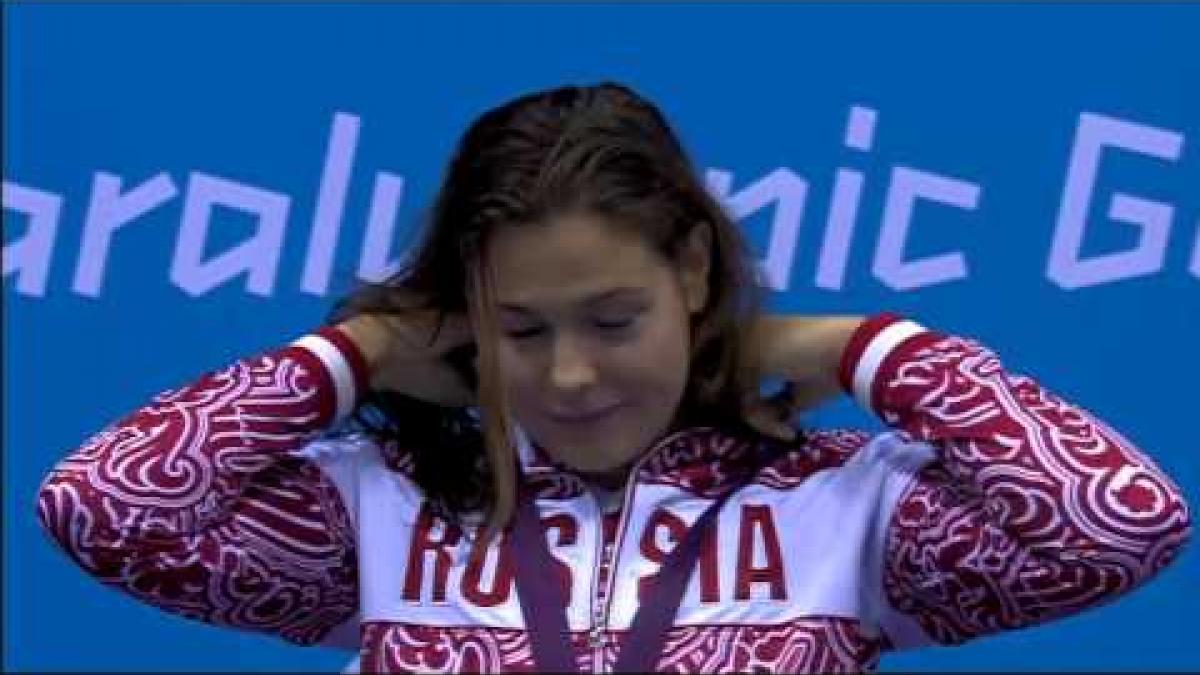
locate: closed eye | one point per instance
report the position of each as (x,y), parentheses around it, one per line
(525,333)
(606,325)
(622,323)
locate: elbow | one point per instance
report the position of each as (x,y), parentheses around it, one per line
(81,529)
(65,512)
(1182,532)
(1169,534)
(1145,513)
(52,508)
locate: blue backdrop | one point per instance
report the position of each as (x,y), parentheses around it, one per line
(1028,174)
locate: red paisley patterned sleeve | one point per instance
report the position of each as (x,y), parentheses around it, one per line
(198,504)
(1031,509)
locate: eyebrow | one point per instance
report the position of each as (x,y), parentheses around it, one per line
(590,299)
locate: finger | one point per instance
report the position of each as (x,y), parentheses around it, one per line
(457,328)
(807,396)
(764,416)
(459,392)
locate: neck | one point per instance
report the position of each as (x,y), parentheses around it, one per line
(607,480)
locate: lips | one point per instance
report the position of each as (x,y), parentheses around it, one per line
(584,418)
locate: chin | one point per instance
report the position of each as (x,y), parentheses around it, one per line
(594,461)
(581,453)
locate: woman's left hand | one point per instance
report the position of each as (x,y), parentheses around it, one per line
(805,352)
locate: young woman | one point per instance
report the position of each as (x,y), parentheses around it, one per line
(542,447)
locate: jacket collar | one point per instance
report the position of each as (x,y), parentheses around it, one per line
(702,459)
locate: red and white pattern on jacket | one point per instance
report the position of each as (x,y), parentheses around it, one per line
(1035,509)
(817,645)
(708,463)
(195,504)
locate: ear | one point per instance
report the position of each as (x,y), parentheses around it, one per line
(694,260)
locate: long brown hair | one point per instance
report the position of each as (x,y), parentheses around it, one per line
(600,150)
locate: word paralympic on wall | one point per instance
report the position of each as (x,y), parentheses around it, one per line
(28,257)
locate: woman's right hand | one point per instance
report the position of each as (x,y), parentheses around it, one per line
(400,357)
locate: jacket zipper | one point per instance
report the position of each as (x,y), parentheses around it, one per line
(608,555)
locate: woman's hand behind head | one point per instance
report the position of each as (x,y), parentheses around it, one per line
(805,352)
(412,354)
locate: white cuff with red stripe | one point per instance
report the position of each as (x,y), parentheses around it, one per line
(883,343)
(337,366)
(869,348)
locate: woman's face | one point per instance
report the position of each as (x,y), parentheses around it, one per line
(594,335)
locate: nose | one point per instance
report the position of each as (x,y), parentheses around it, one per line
(571,368)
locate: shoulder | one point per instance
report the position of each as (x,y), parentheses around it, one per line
(349,448)
(853,454)
(362,466)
